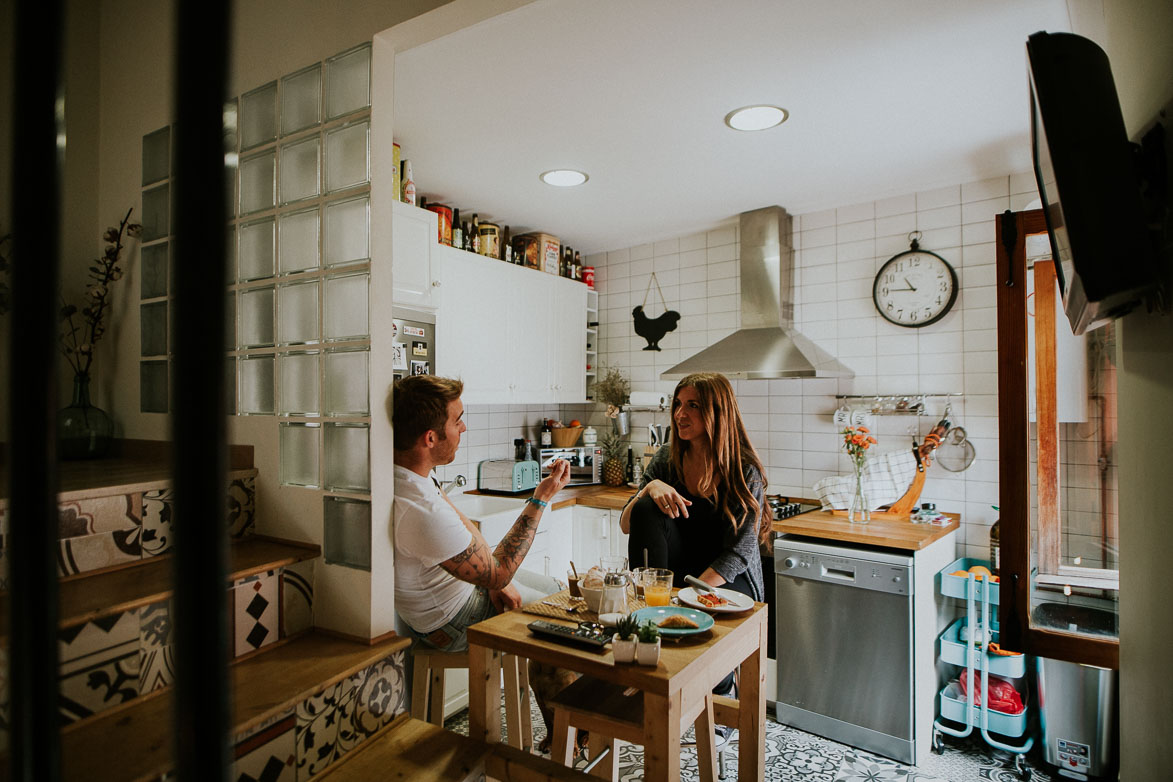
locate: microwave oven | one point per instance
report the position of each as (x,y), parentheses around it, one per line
(586,464)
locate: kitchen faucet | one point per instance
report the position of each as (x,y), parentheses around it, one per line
(459,480)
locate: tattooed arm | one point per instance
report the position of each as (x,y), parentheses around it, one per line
(494,569)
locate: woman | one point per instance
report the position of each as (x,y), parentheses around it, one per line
(701,508)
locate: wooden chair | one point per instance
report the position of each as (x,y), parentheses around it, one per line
(427,691)
(611,712)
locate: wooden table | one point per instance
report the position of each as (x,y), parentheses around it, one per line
(687,671)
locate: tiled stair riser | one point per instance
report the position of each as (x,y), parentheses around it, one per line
(299,744)
(118,529)
(268,606)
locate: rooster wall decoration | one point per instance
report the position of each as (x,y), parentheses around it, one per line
(654,329)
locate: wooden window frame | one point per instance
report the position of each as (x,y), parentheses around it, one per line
(1014,454)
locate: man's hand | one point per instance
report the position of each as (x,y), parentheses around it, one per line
(505,599)
(554,482)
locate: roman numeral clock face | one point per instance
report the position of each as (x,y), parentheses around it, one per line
(915,288)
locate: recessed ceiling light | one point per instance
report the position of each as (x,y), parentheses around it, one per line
(756,117)
(563,177)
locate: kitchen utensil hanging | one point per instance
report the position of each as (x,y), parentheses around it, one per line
(956,452)
(654,329)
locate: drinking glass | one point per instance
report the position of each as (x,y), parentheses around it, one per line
(657,586)
(613,564)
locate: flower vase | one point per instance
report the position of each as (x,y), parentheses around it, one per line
(83,430)
(621,423)
(861,511)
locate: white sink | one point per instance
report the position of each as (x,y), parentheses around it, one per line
(478,506)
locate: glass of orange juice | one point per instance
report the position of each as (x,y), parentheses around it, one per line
(657,586)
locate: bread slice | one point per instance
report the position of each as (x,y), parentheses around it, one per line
(678,622)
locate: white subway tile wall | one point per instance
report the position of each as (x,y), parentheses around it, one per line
(838,253)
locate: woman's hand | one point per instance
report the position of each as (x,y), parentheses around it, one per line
(554,482)
(670,502)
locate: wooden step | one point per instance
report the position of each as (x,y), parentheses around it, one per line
(134,741)
(87,596)
(411,749)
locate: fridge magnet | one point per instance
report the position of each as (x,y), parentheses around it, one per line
(419,348)
(413,331)
(398,356)
(654,329)
(420,368)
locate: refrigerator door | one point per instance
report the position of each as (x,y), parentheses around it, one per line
(413,343)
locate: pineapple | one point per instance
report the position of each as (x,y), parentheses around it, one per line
(614,471)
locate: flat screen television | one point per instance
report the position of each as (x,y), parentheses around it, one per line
(1085,167)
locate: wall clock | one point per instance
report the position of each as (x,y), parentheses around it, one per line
(915,288)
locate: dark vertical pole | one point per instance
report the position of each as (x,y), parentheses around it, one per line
(32,390)
(197,401)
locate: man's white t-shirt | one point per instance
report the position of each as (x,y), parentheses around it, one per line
(427,531)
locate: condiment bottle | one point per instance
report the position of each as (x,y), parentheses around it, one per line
(408,184)
(506,249)
(546,434)
(457,232)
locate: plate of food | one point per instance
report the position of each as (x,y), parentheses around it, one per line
(723,601)
(674,620)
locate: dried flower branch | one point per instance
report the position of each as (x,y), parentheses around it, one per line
(78,339)
(612,389)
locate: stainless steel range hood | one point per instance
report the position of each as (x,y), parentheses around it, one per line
(766,345)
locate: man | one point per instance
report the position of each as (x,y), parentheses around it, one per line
(446,575)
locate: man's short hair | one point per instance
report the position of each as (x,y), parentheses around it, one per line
(418,403)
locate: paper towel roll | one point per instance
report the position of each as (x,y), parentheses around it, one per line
(648,399)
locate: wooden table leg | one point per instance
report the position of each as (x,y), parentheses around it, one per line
(484,694)
(662,737)
(751,723)
(518,723)
(706,751)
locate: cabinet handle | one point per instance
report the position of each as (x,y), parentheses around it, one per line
(604,523)
(435,283)
(547,567)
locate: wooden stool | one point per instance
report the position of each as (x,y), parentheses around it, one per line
(610,712)
(427,690)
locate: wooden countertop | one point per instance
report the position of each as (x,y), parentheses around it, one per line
(889,534)
(816,524)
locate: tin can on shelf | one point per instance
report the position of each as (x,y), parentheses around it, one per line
(588,276)
(443,223)
(395,185)
(490,234)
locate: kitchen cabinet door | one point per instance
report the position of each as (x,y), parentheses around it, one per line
(413,233)
(528,334)
(559,527)
(592,536)
(618,538)
(568,341)
(472,327)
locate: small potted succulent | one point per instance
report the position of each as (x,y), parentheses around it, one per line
(647,651)
(623,642)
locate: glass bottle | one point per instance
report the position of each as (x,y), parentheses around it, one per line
(546,434)
(996,545)
(408,184)
(457,231)
(476,227)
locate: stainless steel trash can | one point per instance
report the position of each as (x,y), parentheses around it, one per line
(1078,707)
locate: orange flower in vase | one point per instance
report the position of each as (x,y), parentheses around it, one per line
(856,441)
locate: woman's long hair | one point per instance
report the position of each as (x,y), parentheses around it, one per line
(730,454)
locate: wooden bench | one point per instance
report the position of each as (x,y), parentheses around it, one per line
(410,749)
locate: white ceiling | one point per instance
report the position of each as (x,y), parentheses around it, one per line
(885,98)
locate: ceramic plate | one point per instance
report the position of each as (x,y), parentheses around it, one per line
(737,601)
(657,614)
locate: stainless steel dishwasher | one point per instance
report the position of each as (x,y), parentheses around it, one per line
(844,644)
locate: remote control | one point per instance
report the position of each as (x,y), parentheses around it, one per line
(565,634)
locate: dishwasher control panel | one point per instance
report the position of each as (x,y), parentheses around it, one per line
(828,567)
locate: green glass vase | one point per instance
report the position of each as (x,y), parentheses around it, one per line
(83,430)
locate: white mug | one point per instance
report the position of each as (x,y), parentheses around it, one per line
(842,416)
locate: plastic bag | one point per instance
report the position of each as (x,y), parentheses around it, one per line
(1002,697)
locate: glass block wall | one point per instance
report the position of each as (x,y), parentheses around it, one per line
(298,344)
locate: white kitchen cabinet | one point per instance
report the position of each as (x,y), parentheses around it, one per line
(550,552)
(510,333)
(413,232)
(472,327)
(596,535)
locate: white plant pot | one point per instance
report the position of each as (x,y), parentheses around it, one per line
(647,654)
(624,651)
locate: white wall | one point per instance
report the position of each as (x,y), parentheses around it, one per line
(1137,43)
(838,253)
